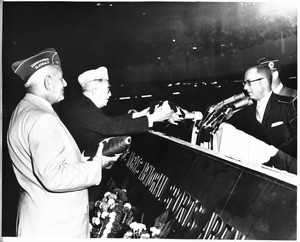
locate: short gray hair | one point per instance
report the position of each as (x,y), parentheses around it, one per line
(87,87)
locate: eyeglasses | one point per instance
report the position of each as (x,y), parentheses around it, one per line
(248,82)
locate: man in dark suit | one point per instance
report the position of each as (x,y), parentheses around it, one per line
(88,124)
(271,118)
(277,85)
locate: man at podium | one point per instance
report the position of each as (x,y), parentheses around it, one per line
(272,118)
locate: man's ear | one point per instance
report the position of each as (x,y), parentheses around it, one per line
(94,91)
(48,82)
(275,74)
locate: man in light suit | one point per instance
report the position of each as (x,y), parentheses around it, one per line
(271,118)
(277,86)
(48,165)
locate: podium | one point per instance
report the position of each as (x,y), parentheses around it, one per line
(204,194)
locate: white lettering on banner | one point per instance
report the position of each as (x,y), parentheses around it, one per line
(162,188)
(134,162)
(153,182)
(216,228)
(185,208)
(149,175)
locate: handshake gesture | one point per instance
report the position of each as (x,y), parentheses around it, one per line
(165,110)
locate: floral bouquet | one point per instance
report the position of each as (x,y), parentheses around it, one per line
(139,231)
(160,230)
(111,215)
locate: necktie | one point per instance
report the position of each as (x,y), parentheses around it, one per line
(258,113)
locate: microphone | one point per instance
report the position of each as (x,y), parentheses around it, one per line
(238,106)
(227,101)
(245,102)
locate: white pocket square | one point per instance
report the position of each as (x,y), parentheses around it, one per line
(277,124)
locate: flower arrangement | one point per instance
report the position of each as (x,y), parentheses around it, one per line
(111,215)
(139,231)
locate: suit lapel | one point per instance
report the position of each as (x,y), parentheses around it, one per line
(268,112)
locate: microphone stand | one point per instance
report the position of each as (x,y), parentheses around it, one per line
(215,115)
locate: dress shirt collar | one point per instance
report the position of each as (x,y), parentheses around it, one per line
(278,89)
(262,104)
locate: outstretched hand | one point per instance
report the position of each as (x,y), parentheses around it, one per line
(161,113)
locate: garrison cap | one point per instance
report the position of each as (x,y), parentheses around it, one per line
(90,75)
(272,63)
(25,68)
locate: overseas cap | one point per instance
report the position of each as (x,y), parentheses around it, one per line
(25,68)
(272,63)
(100,73)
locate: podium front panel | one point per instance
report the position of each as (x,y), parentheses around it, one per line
(207,195)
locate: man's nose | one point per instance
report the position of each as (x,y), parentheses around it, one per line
(65,83)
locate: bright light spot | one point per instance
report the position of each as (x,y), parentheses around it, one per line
(194,48)
(124,98)
(215,82)
(177,84)
(169,85)
(174,40)
(277,8)
(176,93)
(159,57)
(144,96)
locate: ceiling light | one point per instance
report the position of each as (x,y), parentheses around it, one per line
(144,96)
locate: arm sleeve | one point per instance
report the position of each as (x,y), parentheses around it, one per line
(290,145)
(56,163)
(98,122)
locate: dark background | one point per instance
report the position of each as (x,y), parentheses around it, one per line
(197,49)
